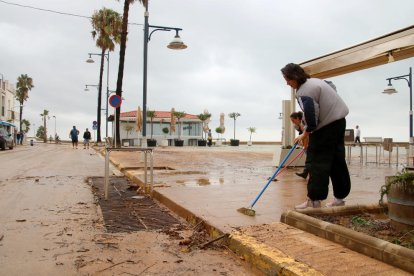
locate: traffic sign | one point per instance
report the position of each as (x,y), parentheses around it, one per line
(94,125)
(115,101)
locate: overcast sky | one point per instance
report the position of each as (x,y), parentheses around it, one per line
(236,49)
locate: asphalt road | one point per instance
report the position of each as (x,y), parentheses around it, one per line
(44,200)
(50,224)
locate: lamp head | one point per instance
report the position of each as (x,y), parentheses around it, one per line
(90,60)
(177,43)
(389,89)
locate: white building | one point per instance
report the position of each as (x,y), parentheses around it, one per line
(188,129)
(9,118)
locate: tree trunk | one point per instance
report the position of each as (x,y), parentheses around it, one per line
(121,68)
(21,116)
(234,130)
(44,125)
(152,128)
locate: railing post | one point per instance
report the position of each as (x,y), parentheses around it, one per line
(106,186)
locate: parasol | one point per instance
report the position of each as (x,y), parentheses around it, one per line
(139,119)
(206,122)
(222,123)
(172,124)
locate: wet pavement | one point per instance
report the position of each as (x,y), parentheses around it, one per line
(212,183)
(215,182)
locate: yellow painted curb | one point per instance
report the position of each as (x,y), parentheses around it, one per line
(266,259)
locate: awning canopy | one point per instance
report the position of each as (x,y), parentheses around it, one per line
(396,46)
(3,123)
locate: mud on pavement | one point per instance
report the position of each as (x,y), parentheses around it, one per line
(166,244)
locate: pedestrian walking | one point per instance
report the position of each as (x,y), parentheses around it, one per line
(324,114)
(86,139)
(209,138)
(357,135)
(21,137)
(73,135)
(18,138)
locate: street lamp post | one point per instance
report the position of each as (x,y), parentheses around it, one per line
(175,44)
(391,90)
(55,125)
(90,60)
(97,87)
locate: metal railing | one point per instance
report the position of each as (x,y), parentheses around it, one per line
(145,151)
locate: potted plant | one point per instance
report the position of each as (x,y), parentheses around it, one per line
(128,128)
(179,115)
(203,118)
(400,197)
(151,114)
(251,130)
(234,141)
(164,141)
(219,131)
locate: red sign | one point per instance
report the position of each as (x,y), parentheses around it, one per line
(115,101)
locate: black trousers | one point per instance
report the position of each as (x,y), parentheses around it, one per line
(326,159)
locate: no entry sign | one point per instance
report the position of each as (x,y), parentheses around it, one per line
(115,101)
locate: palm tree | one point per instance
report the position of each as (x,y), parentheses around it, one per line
(122,49)
(234,116)
(251,130)
(179,115)
(128,128)
(106,25)
(27,124)
(45,115)
(151,114)
(203,117)
(40,132)
(23,86)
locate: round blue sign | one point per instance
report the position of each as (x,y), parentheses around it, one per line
(115,101)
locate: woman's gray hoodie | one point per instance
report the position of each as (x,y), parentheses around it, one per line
(320,103)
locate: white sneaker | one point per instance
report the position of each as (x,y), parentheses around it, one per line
(335,202)
(309,203)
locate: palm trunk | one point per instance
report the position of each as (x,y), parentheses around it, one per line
(98,114)
(121,67)
(44,125)
(21,116)
(234,130)
(151,129)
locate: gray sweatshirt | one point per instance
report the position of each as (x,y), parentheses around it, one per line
(320,103)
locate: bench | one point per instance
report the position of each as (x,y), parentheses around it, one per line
(373,139)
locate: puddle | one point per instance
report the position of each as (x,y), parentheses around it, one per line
(201,182)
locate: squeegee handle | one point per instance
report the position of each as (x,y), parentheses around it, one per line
(274,174)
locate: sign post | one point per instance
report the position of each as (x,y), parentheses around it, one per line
(115,101)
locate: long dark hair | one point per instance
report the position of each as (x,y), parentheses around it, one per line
(293,71)
(297,115)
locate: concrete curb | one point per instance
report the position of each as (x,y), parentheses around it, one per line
(262,258)
(266,259)
(383,251)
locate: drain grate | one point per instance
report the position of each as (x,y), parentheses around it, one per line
(124,211)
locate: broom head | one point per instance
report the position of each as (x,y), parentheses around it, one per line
(247,211)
